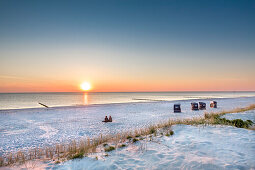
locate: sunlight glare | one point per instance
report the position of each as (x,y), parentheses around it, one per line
(85,86)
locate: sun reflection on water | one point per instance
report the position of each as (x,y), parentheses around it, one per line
(85,99)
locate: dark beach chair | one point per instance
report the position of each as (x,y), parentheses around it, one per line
(202,105)
(213,104)
(177,108)
(194,106)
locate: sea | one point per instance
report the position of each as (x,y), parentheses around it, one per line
(57,99)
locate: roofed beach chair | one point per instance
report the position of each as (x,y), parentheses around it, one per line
(177,108)
(213,104)
(202,105)
(194,106)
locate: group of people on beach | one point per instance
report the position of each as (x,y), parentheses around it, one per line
(108,120)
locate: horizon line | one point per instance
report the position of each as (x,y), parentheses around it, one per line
(133,91)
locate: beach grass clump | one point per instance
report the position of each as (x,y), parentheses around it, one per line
(239,123)
(57,162)
(242,124)
(170,133)
(122,146)
(109,149)
(135,140)
(129,137)
(152,130)
(77,156)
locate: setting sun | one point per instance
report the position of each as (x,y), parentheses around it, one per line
(85,86)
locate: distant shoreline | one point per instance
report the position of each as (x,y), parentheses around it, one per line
(139,101)
(132,92)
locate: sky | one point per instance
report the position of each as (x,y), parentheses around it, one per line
(127,45)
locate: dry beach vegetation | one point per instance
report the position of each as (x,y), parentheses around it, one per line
(85,147)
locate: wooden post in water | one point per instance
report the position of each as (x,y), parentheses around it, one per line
(43,105)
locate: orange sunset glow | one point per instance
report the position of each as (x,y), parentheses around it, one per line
(140,55)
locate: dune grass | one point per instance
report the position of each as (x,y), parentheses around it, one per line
(122,146)
(109,149)
(135,140)
(215,118)
(79,149)
(77,156)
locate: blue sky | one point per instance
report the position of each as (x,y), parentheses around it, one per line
(156,42)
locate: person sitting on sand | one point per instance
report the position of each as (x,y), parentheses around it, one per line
(106,119)
(110,118)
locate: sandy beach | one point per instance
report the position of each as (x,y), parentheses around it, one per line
(190,146)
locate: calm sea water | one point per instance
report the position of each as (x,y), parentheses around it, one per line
(30,100)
